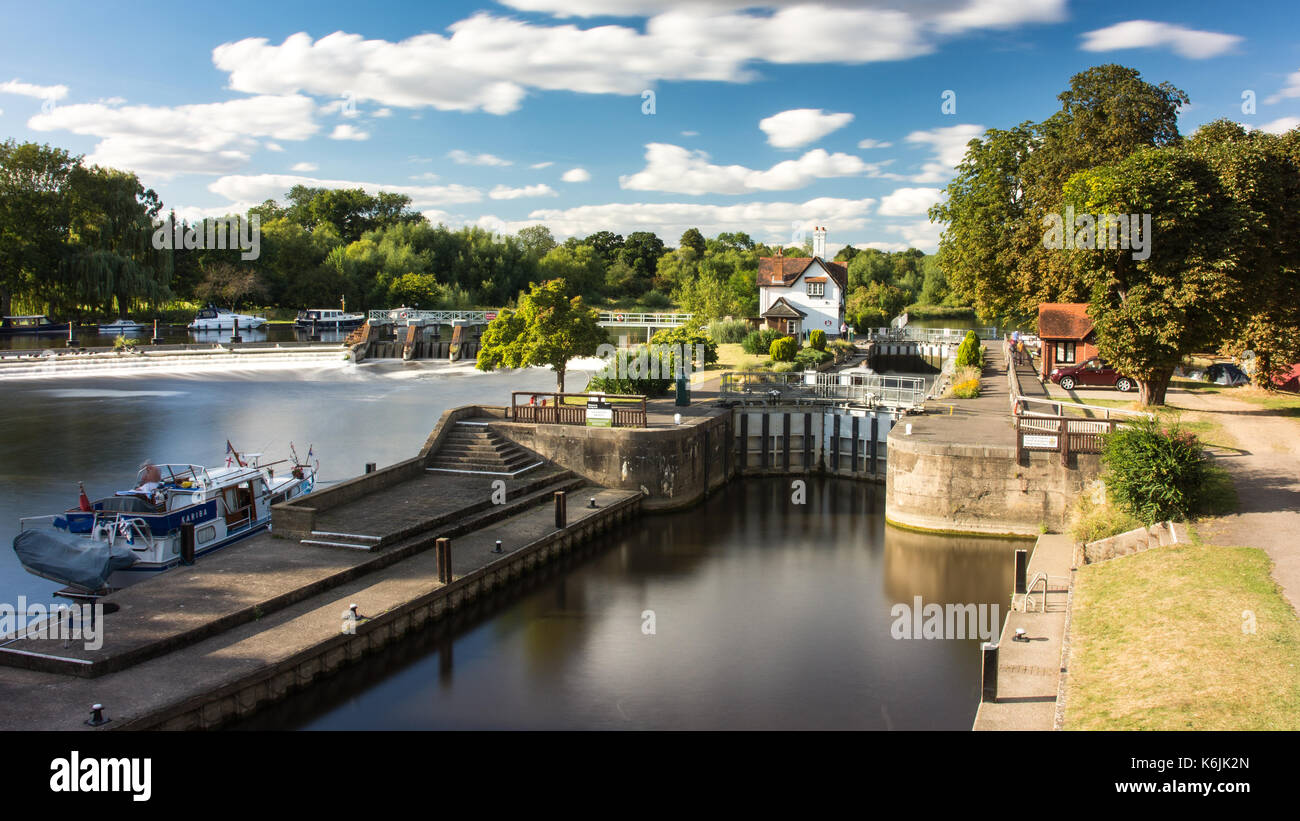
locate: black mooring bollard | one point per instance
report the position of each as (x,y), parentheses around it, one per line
(591,502)
(187,544)
(97,715)
(989,691)
(370,467)
(561,509)
(234,336)
(497,549)
(1022,569)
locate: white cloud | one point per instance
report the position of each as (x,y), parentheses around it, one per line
(259,187)
(209,138)
(765,221)
(344,131)
(382,112)
(948,145)
(427,176)
(304,166)
(465,158)
(113,100)
(16,86)
(690,133)
(870,143)
(2,112)
(576,175)
(684,171)
(800,126)
(909,202)
(1185,42)
(923,234)
(1280,125)
(491,63)
(1288,91)
(274,147)
(503,192)
(542,165)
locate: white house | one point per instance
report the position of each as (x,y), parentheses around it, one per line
(798,294)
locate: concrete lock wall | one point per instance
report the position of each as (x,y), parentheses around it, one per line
(675,467)
(803,439)
(981,489)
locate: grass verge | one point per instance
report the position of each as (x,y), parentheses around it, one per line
(1159,644)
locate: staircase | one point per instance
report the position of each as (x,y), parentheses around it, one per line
(472,447)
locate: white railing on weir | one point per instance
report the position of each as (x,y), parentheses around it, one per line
(616,318)
(444,317)
(929,335)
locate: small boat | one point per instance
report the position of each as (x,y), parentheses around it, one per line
(173,511)
(212,318)
(37,324)
(121,326)
(327,319)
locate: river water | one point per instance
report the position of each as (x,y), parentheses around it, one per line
(766,613)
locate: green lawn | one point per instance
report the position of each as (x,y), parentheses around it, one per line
(1158,644)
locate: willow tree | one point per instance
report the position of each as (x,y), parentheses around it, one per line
(34,212)
(549,328)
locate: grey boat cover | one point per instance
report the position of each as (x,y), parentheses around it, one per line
(73,560)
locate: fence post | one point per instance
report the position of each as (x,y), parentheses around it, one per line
(1065,442)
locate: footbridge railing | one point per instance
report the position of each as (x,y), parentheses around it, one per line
(810,387)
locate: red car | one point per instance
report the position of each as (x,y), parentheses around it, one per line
(1092,373)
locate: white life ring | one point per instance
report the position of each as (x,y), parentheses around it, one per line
(618,317)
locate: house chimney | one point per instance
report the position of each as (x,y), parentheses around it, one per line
(819,242)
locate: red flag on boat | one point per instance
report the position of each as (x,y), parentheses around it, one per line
(232,455)
(84,501)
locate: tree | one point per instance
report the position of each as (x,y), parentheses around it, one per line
(580,267)
(549,328)
(641,253)
(229,284)
(1009,180)
(693,239)
(537,240)
(606,243)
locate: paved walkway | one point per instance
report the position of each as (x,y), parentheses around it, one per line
(1030,673)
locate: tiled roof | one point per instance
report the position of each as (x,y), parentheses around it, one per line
(781,309)
(1063,320)
(781,272)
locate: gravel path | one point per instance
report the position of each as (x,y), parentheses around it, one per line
(1265,466)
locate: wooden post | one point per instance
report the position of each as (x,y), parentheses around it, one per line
(989,678)
(853,459)
(187,544)
(561,509)
(875,437)
(835,445)
(785,441)
(442,554)
(744,440)
(1022,569)
(767,462)
(1065,442)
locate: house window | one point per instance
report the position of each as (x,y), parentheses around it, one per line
(1065,353)
(816,289)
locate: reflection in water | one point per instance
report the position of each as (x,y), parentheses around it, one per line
(767,615)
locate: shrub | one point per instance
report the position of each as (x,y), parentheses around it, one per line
(810,358)
(124,344)
(726,332)
(970,389)
(783,349)
(648,387)
(1090,521)
(760,342)
(689,337)
(970,353)
(1155,473)
(783,367)
(817,339)
(656,299)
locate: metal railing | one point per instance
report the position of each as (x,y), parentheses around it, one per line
(928,335)
(616,318)
(550,408)
(823,388)
(443,317)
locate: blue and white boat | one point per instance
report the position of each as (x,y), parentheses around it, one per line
(174,511)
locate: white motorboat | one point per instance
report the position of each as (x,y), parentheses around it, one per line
(175,513)
(121,326)
(212,318)
(329,319)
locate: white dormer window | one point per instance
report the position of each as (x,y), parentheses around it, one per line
(816,289)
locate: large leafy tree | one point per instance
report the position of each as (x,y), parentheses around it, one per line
(548,328)
(1011,179)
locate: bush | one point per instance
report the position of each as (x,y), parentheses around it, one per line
(760,342)
(810,358)
(783,349)
(726,332)
(689,337)
(648,387)
(783,367)
(656,300)
(1155,473)
(970,389)
(124,344)
(817,339)
(970,353)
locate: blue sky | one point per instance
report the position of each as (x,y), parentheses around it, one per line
(767,118)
